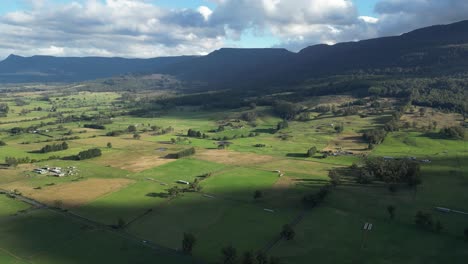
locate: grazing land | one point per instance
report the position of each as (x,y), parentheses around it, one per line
(250,173)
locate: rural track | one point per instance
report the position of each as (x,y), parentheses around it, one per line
(121,233)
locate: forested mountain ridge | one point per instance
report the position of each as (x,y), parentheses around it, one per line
(427,52)
(17,69)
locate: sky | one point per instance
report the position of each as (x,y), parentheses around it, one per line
(153,28)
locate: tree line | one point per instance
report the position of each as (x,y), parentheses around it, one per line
(54,147)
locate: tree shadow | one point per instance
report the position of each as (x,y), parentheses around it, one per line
(296,155)
(265,130)
(158,195)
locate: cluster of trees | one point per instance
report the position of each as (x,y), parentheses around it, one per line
(184,153)
(13,162)
(390,171)
(315,199)
(335,177)
(251,134)
(114,133)
(339,128)
(54,147)
(282,125)
(4,109)
(94,126)
(249,116)
(89,154)
(375,136)
(453,132)
(288,232)
(195,134)
(425,221)
(444,92)
(286,110)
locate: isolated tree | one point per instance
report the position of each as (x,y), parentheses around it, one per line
(136,136)
(109,145)
(391,211)
(282,125)
(229,255)
(261,258)
(257,194)
(174,191)
(58,204)
(311,152)
(248,258)
(121,223)
(188,242)
(422,111)
(2,143)
(288,232)
(438,227)
(131,128)
(424,220)
(335,177)
(339,128)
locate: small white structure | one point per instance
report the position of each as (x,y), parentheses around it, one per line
(269,210)
(40,171)
(425,161)
(56,171)
(444,210)
(183,182)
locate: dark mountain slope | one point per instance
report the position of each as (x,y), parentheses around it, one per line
(62,69)
(431,51)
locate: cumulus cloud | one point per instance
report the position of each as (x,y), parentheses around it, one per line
(129,28)
(399,16)
(140,28)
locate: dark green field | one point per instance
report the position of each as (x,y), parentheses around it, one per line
(130,215)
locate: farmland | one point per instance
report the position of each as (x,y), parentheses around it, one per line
(135,207)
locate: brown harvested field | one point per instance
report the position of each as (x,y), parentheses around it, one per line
(431,115)
(71,194)
(8,174)
(232,157)
(348,142)
(131,162)
(284,183)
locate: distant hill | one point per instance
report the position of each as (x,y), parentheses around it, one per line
(434,50)
(17,69)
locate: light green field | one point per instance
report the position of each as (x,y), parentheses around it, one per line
(9,206)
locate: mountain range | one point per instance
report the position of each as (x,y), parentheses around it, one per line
(434,50)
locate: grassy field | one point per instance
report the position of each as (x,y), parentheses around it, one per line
(130,183)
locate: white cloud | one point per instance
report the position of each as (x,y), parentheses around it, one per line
(205,12)
(138,28)
(399,16)
(128,28)
(368,19)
